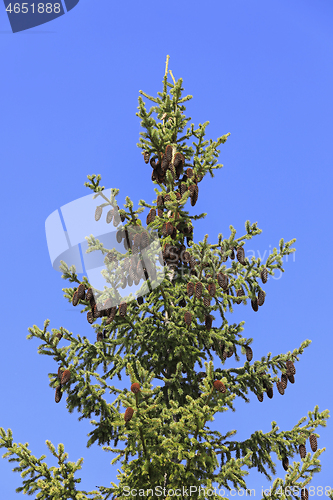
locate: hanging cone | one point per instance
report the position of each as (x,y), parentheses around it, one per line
(178,159)
(96,312)
(144,241)
(81,292)
(270,392)
(98,213)
(112,314)
(169,228)
(208,323)
(58,394)
(188,318)
(135,388)
(75,298)
(189,173)
(313,442)
(122,308)
(190,289)
(219,386)
(164,164)
(291,370)
(223,280)
(254,304)
(260,397)
(285,463)
(120,235)
(139,300)
(211,289)
(263,275)
(261,297)
(206,301)
(304,494)
(232,255)
(128,414)
(99,337)
(116,218)
(183,189)
(146,156)
(239,293)
(230,352)
(194,197)
(280,387)
(109,216)
(284,380)
(90,317)
(198,290)
(291,378)
(168,153)
(65,377)
(241,255)
(249,353)
(302,450)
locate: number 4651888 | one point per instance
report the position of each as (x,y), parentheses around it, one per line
(40,8)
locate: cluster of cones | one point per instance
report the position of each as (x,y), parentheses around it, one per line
(302,452)
(281,384)
(64,377)
(112,215)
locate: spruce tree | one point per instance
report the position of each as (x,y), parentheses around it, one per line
(177,322)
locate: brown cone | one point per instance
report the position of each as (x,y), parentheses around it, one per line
(302,450)
(128,414)
(285,463)
(122,308)
(81,292)
(109,216)
(223,280)
(208,323)
(90,317)
(291,378)
(260,397)
(65,377)
(304,494)
(135,388)
(261,297)
(284,380)
(206,301)
(99,337)
(263,275)
(75,298)
(219,386)
(270,392)
(249,353)
(198,290)
(313,442)
(241,255)
(211,289)
(146,156)
(291,370)
(254,304)
(280,387)
(168,153)
(190,289)
(188,318)
(58,394)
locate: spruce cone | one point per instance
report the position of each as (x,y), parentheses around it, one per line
(168,153)
(291,370)
(96,312)
(285,463)
(190,289)
(120,235)
(98,213)
(198,290)
(194,197)
(291,378)
(122,308)
(183,189)
(81,292)
(192,262)
(239,293)
(254,304)
(280,387)
(232,255)
(189,173)
(109,216)
(144,241)
(261,297)
(263,275)
(211,289)
(223,280)
(219,386)
(164,164)
(58,394)
(90,317)
(146,156)
(206,301)
(270,392)
(140,300)
(75,298)
(188,318)
(128,414)
(249,353)
(313,442)
(208,323)
(304,494)
(260,397)
(241,255)
(167,197)
(230,352)
(302,450)
(116,218)
(135,388)
(99,337)
(112,314)
(186,257)
(169,228)
(284,380)
(65,377)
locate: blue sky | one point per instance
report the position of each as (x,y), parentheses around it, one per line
(259,70)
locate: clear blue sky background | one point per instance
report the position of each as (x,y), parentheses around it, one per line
(259,70)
